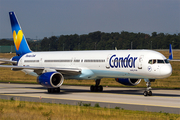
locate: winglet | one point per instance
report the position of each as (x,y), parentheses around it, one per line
(170,52)
(20,42)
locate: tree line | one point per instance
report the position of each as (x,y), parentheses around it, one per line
(103,41)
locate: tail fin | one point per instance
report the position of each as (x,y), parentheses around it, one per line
(20,42)
(170,52)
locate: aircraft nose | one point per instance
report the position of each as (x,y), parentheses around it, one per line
(166,70)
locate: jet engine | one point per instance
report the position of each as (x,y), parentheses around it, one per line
(128,81)
(51,79)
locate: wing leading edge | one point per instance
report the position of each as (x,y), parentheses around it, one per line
(40,70)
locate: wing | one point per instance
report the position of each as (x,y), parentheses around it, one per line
(175,60)
(39,70)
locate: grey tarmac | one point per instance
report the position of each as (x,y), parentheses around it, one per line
(163,100)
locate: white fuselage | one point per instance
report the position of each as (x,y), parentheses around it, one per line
(102,64)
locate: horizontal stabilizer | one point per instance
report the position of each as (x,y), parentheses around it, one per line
(5,61)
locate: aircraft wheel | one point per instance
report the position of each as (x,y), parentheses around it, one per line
(49,90)
(92,88)
(145,93)
(96,88)
(56,90)
(150,93)
(100,88)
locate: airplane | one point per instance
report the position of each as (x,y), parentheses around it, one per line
(128,67)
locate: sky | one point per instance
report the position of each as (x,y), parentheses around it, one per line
(44,18)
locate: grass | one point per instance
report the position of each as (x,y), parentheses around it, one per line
(14,109)
(171,82)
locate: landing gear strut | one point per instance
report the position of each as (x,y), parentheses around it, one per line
(148,91)
(97,87)
(54,90)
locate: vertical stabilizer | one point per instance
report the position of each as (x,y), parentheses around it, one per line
(20,42)
(170,52)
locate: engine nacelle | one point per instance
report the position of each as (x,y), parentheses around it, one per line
(128,81)
(51,79)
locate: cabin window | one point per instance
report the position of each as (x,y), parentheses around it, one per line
(116,60)
(57,60)
(122,61)
(31,60)
(89,60)
(76,60)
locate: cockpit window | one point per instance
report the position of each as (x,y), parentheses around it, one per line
(152,61)
(160,61)
(166,61)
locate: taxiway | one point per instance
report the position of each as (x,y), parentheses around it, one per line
(127,98)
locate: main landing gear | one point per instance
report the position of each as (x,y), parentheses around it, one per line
(148,91)
(54,90)
(97,87)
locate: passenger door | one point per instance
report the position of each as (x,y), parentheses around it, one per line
(107,61)
(140,62)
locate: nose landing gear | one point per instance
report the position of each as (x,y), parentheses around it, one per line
(148,91)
